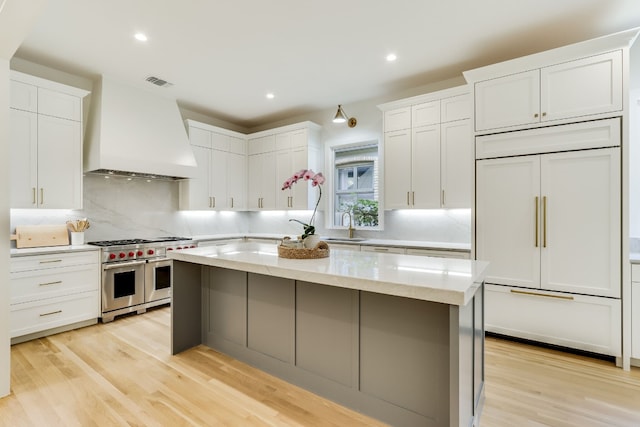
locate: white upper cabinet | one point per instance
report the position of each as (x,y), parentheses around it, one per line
(278,154)
(397,119)
(45,144)
(429,165)
(427,113)
(572,89)
(220,180)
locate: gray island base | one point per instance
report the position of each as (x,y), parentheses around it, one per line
(397,337)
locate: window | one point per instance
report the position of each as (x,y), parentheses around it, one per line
(356,186)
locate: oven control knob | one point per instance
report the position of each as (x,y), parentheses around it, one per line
(150,252)
(131,254)
(192,246)
(112,256)
(139,253)
(179,247)
(122,255)
(169,249)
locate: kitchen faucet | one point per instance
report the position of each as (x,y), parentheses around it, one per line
(351,229)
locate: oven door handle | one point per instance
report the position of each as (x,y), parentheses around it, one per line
(122,264)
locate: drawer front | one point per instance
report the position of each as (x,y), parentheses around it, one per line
(40,316)
(382,249)
(49,283)
(635,273)
(574,321)
(36,262)
(440,254)
(594,134)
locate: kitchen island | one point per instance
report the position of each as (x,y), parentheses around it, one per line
(397,337)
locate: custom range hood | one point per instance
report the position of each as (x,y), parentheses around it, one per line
(133,132)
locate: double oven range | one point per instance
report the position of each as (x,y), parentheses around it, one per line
(136,273)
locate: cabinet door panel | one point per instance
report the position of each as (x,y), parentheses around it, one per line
(425,114)
(59,163)
(271,316)
(194,193)
(23,171)
(579,88)
(397,169)
(582,252)
(23,96)
(283,172)
(199,137)
(397,119)
(218,175)
(506,191)
(456,164)
(508,101)
(455,108)
(236,181)
(303,196)
(58,104)
(425,167)
(254,166)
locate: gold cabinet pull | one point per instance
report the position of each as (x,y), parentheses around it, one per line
(443,199)
(50,261)
(213,202)
(535,294)
(537,215)
(408,203)
(33,193)
(544,221)
(535,115)
(544,114)
(413,198)
(232,203)
(51,313)
(41,196)
(50,283)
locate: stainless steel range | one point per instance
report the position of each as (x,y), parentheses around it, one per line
(136,273)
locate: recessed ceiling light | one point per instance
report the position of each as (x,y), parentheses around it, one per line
(270,95)
(141,37)
(391,57)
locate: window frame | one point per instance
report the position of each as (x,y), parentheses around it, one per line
(330,203)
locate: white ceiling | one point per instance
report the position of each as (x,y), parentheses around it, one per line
(224,56)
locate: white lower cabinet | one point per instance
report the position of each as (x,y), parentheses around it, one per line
(53,291)
(576,321)
(635,311)
(344,246)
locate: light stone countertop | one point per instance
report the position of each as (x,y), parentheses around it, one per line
(443,280)
(46,250)
(416,244)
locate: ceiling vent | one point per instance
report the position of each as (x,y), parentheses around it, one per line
(159,82)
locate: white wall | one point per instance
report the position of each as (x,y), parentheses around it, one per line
(4,225)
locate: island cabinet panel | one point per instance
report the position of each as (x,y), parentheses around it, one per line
(270,316)
(227,299)
(327,332)
(402,361)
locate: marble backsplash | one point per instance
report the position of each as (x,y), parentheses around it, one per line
(119,209)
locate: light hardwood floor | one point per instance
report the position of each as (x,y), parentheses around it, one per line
(122,373)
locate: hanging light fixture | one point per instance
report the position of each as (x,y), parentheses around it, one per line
(342,117)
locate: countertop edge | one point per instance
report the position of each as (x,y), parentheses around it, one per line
(426,293)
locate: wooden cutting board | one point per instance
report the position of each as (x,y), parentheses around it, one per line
(35,236)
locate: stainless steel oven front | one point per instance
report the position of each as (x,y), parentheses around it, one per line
(158,281)
(122,288)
